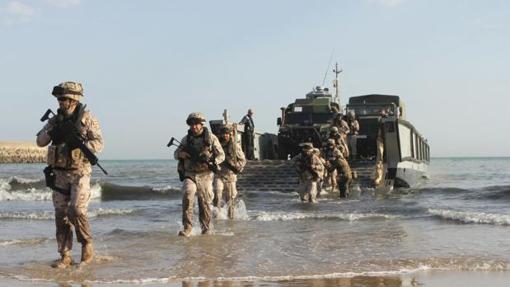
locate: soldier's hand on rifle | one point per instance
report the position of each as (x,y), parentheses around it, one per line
(205,156)
(56,134)
(183,155)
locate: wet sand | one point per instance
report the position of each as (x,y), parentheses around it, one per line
(433,278)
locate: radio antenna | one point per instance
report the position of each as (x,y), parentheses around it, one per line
(336,83)
(329,65)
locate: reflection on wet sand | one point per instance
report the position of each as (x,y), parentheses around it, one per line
(357,281)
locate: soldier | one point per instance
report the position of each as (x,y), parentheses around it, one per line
(310,168)
(380,150)
(201,153)
(70,170)
(226,178)
(339,141)
(341,124)
(353,133)
(338,165)
(248,135)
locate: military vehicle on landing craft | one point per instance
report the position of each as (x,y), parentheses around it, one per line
(406,153)
(305,120)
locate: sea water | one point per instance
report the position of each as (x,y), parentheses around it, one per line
(458,219)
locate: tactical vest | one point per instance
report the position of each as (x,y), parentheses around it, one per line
(201,144)
(228,148)
(59,154)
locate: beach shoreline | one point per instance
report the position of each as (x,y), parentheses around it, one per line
(429,278)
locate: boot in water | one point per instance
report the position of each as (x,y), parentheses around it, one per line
(87,253)
(65,261)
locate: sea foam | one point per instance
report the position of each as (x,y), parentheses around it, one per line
(284,216)
(471,217)
(48,215)
(33,190)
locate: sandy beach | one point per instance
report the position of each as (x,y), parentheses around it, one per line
(432,278)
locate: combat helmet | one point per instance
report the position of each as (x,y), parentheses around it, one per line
(195,117)
(71,90)
(351,114)
(225,129)
(331,142)
(306,145)
(334,130)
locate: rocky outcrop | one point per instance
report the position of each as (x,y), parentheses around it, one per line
(21,152)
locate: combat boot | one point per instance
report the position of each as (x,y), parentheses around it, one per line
(65,261)
(186,232)
(231,211)
(87,253)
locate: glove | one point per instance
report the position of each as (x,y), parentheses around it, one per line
(62,130)
(204,156)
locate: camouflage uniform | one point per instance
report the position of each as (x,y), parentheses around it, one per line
(226,178)
(72,170)
(198,176)
(353,133)
(310,168)
(342,125)
(339,141)
(379,167)
(337,164)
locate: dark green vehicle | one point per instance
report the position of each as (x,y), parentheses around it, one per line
(306,120)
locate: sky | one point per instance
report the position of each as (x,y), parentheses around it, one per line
(145,65)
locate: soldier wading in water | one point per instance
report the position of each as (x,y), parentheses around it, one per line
(68,171)
(310,168)
(200,153)
(226,178)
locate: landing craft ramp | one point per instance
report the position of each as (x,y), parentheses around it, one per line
(279,175)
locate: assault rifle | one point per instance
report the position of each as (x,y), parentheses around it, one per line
(195,156)
(73,139)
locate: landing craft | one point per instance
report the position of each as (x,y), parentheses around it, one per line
(406,154)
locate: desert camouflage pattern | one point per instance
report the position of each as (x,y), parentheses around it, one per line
(379,166)
(198,181)
(338,166)
(60,156)
(310,168)
(201,185)
(225,180)
(341,144)
(195,116)
(73,174)
(74,87)
(234,156)
(71,210)
(191,168)
(342,125)
(352,137)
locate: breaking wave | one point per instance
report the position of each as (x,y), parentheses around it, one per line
(112,191)
(471,217)
(7,192)
(492,193)
(22,189)
(48,215)
(284,216)
(22,241)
